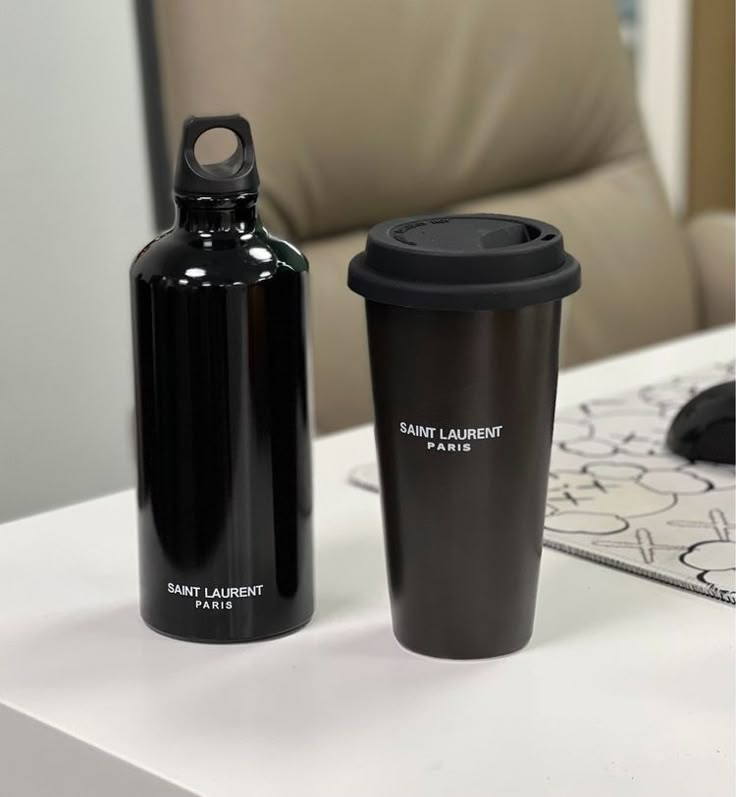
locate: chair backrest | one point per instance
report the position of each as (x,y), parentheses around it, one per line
(363,111)
(366,110)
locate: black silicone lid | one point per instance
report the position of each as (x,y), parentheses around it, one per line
(465,262)
(235,175)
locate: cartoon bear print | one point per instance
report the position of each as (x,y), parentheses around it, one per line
(635,425)
(619,435)
(602,497)
(668,397)
(715,560)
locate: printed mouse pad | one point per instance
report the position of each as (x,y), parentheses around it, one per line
(617,496)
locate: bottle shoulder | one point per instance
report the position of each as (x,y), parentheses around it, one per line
(286,251)
(217,258)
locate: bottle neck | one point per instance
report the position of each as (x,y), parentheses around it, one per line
(216,214)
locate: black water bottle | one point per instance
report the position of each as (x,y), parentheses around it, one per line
(224,474)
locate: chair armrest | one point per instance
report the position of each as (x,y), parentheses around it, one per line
(712,241)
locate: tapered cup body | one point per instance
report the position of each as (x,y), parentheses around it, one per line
(464,406)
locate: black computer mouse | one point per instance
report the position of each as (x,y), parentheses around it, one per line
(704,428)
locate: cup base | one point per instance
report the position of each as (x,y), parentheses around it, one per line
(474,652)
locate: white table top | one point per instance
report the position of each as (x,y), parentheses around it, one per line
(626,688)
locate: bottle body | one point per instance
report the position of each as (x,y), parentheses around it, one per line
(224,489)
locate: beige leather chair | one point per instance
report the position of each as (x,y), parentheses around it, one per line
(364,111)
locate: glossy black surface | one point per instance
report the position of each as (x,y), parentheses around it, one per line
(704,428)
(224,493)
(463,527)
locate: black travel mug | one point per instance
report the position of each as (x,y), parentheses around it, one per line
(224,473)
(463,320)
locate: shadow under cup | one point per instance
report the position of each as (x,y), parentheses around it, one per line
(463,320)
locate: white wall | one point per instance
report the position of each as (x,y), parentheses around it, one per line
(663,81)
(74,208)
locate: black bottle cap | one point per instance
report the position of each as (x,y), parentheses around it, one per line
(465,262)
(235,175)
